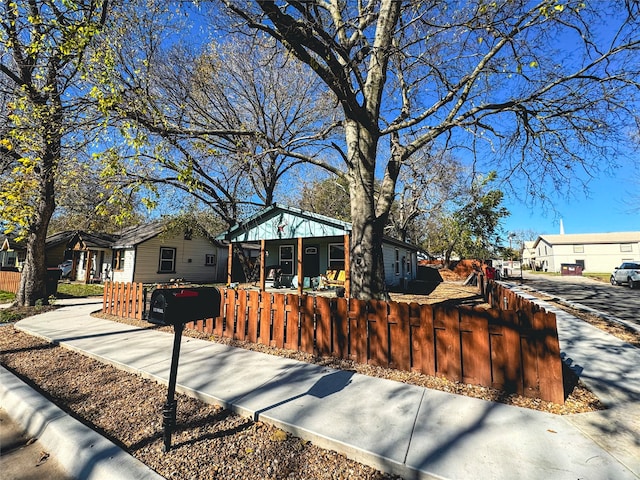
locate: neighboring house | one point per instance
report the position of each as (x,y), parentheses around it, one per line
(146,254)
(594,252)
(294,239)
(12,253)
(528,255)
(56,246)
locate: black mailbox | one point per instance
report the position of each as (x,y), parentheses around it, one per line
(172,306)
(177,306)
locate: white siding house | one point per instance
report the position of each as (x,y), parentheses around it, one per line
(400,263)
(595,252)
(147,255)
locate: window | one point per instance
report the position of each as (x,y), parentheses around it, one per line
(578,249)
(167,260)
(210,260)
(626,247)
(336,256)
(118,260)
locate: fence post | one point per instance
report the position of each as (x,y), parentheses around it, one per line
(378,333)
(253,315)
(549,362)
(292,317)
(358,330)
(447,342)
(399,336)
(341,327)
(474,342)
(323,325)
(307,322)
(422,339)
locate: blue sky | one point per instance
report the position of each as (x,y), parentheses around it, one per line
(608,207)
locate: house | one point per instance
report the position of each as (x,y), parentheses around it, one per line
(528,254)
(91,256)
(149,254)
(594,252)
(12,253)
(305,245)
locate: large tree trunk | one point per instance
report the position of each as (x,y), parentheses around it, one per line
(33,278)
(34,272)
(366,260)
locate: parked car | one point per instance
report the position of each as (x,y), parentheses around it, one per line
(66,267)
(628,273)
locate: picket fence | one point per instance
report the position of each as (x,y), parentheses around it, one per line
(126,300)
(511,349)
(9,281)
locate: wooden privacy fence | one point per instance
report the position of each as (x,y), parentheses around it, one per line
(511,350)
(9,281)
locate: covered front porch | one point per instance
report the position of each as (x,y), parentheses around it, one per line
(295,248)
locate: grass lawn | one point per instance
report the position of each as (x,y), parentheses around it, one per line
(6,297)
(66,290)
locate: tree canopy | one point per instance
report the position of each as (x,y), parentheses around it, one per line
(541,90)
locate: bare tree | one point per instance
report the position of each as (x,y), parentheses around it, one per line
(220,121)
(548,88)
(425,186)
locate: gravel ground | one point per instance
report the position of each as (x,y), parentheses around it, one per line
(209,442)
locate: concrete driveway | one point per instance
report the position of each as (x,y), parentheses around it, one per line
(617,301)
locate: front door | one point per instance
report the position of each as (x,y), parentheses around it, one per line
(311,261)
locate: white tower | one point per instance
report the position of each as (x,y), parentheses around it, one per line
(561,227)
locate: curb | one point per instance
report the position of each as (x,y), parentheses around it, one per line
(81,452)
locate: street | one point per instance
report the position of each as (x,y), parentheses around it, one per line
(619,301)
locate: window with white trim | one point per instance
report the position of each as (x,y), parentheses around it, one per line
(286,259)
(167,260)
(117,263)
(210,259)
(626,247)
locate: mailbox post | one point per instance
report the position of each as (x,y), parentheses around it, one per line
(175,307)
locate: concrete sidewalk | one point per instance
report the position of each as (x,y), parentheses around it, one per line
(403,429)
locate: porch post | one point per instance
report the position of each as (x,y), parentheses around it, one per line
(300,269)
(347,267)
(87,271)
(229,263)
(263,268)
